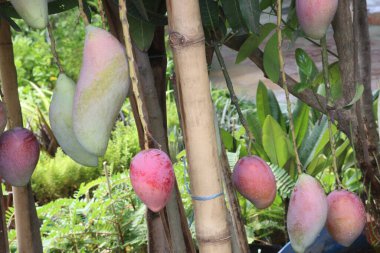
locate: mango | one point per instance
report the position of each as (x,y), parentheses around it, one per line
(61,121)
(34,12)
(307,212)
(315,16)
(254,179)
(346,217)
(3,117)
(101,89)
(152,178)
(19,154)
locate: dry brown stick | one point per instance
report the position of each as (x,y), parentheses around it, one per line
(132,67)
(53,48)
(82,13)
(4,245)
(285,85)
(102,15)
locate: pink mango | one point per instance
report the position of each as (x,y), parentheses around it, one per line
(3,117)
(346,216)
(307,212)
(254,179)
(19,153)
(315,16)
(152,178)
(101,90)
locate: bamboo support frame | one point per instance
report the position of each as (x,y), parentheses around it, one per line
(27,224)
(187,41)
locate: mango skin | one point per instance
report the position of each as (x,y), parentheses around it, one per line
(101,90)
(3,117)
(346,216)
(254,179)
(34,12)
(61,122)
(152,178)
(19,154)
(315,16)
(307,212)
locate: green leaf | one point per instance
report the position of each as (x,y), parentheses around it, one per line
(301,121)
(251,14)
(209,14)
(271,61)
(317,165)
(262,102)
(358,94)
(334,78)
(231,9)
(306,66)
(285,184)
(141,32)
(255,127)
(275,142)
(275,109)
(308,148)
(227,138)
(253,42)
(266,3)
(139,4)
(301,87)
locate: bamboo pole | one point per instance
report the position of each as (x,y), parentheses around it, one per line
(186,38)
(27,224)
(4,245)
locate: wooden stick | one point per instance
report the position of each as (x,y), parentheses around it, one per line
(27,224)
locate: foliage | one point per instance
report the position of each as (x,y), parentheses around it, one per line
(90,221)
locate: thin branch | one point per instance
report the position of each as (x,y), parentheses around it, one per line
(234,99)
(82,13)
(53,47)
(133,68)
(285,86)
(102,15)
(325,64)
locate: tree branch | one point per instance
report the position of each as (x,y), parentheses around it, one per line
(307,96)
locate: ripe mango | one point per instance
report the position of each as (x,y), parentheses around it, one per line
(254,179)
(315,16)
(346,216)
(61,121)
(152,178)
(101,89)
(19,154)
(307,212)
(34,12)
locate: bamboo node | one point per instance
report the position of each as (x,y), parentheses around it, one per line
(214,239)
(178,40)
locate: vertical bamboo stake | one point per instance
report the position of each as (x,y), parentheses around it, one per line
(4,245)
(187,41)
(27,227)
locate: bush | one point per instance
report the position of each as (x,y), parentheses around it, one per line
(60,176)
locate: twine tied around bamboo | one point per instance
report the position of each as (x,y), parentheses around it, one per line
(194,197)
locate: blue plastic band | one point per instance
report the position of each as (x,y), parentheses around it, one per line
(199,198)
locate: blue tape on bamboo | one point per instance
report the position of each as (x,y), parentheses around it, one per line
(199,198)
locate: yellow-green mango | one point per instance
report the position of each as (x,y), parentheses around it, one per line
(101,89)
(61,121)
(34,12)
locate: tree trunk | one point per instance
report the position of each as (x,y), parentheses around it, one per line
(187,41)
(27,223)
